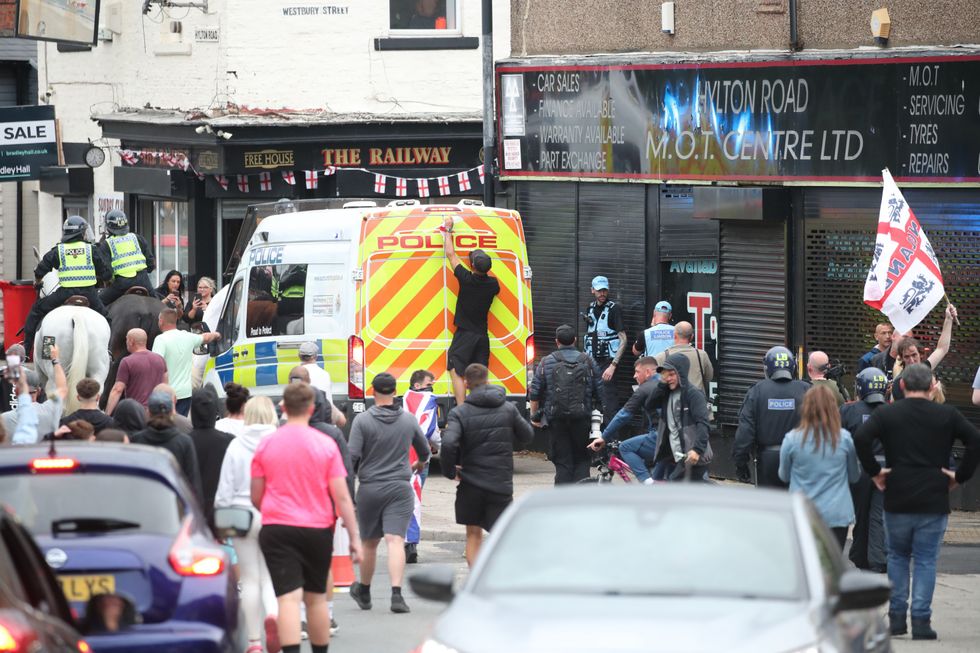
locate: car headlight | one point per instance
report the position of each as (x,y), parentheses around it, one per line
(432,646)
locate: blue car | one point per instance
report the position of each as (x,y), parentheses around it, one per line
(121,519)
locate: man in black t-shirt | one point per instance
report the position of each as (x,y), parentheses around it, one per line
(471,343)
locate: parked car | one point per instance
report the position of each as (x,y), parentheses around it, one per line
(34,615)
(674,568)
(122,520)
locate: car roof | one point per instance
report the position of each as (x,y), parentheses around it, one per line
(690,494)
(113,454)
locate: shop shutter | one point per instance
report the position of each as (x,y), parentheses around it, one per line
(548,211)
(681,236)
(753,307)
(8,87)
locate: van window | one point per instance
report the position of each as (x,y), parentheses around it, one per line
(228,325)
(276,300)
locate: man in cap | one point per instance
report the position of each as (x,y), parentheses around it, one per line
(660,335)
(770,410)
(320,379)
(683,445)
(605,342)
(48,412)
(471,342)
(161,432)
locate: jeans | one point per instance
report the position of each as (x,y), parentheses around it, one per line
(610,397)
(913,538)
(183,406)
(637,451)
(569,439)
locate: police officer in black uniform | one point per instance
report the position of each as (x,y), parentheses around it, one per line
(770,410)
(130,256)
(605,342)
(80,267)
(868,549)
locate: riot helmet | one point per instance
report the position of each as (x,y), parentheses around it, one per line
(73,229)
(780,363)
(871,384)
(116,222)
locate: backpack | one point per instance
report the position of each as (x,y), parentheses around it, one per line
(571,387)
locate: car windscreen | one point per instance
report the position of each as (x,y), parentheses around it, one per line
(642,549)
(106,502)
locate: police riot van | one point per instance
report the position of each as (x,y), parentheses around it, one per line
(370,285)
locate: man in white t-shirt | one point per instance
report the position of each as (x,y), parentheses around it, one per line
(177,348)
(319,378)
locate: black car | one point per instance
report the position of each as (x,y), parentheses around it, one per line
(34,614)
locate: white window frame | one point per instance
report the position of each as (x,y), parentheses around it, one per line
(431,33)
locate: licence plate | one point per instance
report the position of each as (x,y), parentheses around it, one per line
(82,588)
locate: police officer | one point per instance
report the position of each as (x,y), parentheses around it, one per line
(291,292)
(605,341)
(868,549)
(660,336)
(770,410)
(131,258)
(80,267)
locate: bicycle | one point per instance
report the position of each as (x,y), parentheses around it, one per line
(609,467)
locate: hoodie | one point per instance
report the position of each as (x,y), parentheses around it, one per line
(379,442)
(210,444)
(129,416)
(320,420)
(235,480)
(692,413)
(479,437)
(180,445)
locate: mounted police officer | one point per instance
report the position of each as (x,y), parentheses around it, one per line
(605,341)
(770,410)
(132,259)
(80,267)
(868,550)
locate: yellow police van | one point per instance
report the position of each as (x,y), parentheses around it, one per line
(371,287)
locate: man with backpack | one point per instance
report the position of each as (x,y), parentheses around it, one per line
(566,385)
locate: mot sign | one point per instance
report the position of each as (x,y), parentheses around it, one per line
(27,142)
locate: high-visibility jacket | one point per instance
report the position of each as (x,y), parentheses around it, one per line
(127,256)
(76,269)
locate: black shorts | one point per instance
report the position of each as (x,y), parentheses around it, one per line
(478,507)
(468,347)
(297,557)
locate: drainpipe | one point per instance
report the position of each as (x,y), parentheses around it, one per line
(794,36)
(488,153)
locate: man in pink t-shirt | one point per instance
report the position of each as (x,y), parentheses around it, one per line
(299,484)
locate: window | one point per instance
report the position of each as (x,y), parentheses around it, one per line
(79,206)
(170,242)
(424,14)
(228,326)
(276,300)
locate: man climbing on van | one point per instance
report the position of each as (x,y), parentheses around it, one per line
(471,342)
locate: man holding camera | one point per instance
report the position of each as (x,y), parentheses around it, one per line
(816,368)
(46,416)
(605,341)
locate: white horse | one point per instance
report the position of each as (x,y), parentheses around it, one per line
(82,337)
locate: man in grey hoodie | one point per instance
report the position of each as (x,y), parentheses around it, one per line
(379,442)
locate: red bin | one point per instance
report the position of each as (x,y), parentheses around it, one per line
(18,297)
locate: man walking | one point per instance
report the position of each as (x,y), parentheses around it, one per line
(566,385)
(379,442)
(478,450)
(161,432)
(917,435)
(771,409)
(471,343)
(605,342)
(816,368)
(683,413)
(421,403)
(660,335)
(300,486)
(139,372)
(177,348)
(702,371)
(89,392)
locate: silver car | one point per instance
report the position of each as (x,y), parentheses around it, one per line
(677,568)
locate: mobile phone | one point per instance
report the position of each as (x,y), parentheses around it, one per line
(13,367)
(197,297)
(47,342)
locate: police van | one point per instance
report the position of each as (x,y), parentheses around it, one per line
(371,287)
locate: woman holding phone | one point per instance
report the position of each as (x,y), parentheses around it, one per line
(206,289)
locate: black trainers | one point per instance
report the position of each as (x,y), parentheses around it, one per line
(333,626)
(361,595)
(922,629)
(898,624)
(398,604)
(411,553)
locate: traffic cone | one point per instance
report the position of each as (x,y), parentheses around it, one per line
(341,566)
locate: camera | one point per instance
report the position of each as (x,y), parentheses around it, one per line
(834,370)
(12,371)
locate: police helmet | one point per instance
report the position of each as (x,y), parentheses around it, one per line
(871,384)
(116,222)
(74,228)
(780,363)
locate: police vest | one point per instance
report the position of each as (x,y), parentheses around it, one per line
(658,338)
(127,256)
(606,340)
(294,292)
(75,266)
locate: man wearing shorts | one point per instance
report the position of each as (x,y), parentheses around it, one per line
(471,344)
(299,484)
(478,451)
(379,442)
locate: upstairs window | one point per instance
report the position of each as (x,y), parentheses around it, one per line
(424,15)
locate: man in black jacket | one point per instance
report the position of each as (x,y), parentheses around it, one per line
(566,386)
(917,435)
(478,450)
(683,441)
(210,444)
(161,432)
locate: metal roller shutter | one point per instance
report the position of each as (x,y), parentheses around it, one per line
(681,236)
(753,307)
(8,87)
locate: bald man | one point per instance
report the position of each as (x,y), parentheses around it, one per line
(816,368)
(138,373)
(701,371)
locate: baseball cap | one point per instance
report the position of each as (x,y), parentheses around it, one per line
(384,384)
(480,260)
(666,366)
(663,307)
(33,379)
(565,334)
(600,283)
(160,403)
(308,349)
